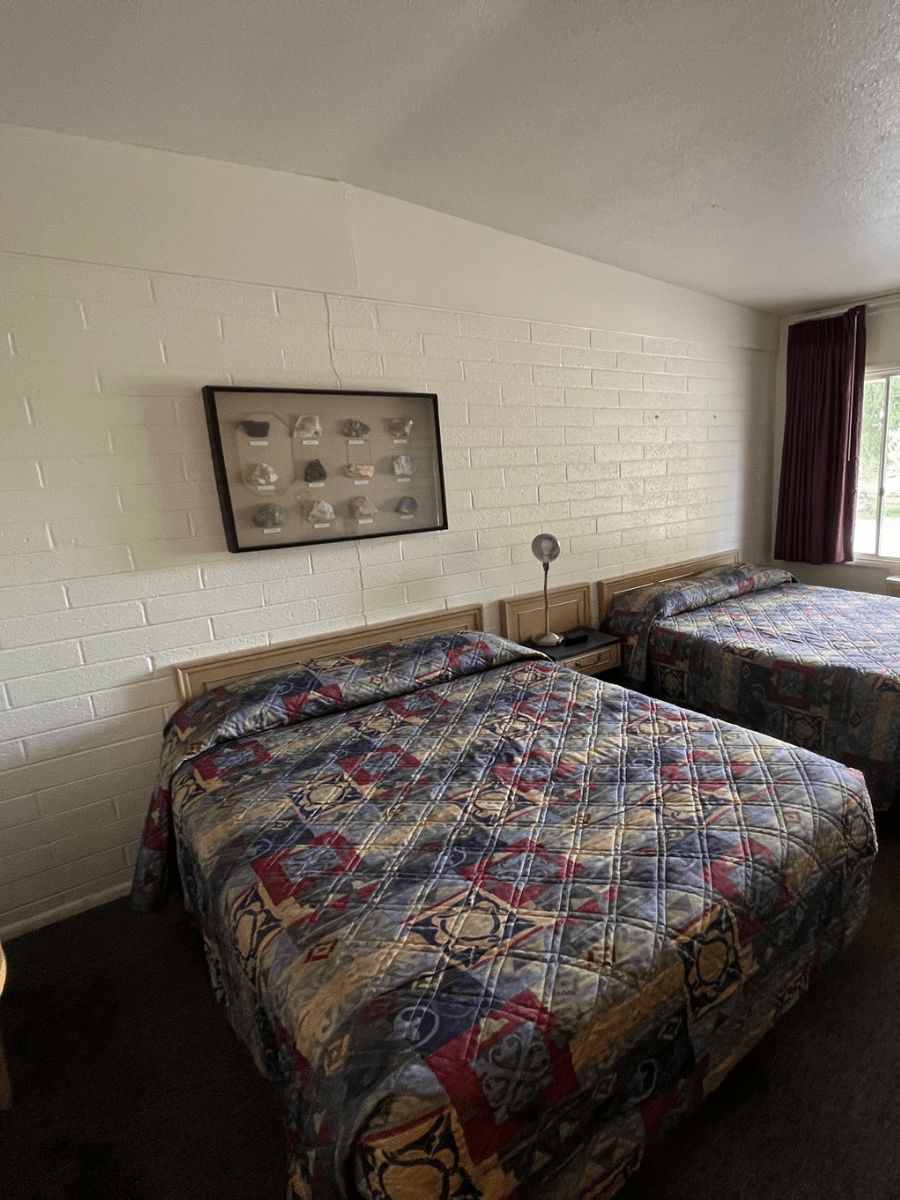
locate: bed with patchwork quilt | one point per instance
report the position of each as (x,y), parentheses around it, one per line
(491,926)
(816,666)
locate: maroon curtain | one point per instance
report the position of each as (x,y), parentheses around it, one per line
(826,362)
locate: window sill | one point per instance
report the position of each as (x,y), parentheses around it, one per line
(872,562)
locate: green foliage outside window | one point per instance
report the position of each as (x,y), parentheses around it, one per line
(877,527)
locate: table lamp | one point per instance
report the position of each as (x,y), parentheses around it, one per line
(545,549)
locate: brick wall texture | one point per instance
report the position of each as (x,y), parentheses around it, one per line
(632,450)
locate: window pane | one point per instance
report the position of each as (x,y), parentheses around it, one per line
(869,462)
(890,517)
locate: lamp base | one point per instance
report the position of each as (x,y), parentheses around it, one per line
(546,639)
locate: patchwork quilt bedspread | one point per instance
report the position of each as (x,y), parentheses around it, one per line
(491,926)
(819,667)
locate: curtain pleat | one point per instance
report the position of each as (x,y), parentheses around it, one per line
(826,362)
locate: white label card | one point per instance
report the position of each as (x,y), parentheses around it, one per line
(266,487)
(274,529)
(366,520)
(361,482)
(320,484)
(255,442)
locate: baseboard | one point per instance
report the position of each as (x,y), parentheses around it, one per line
(52,915)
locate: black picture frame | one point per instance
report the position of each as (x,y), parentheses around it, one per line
(308,466)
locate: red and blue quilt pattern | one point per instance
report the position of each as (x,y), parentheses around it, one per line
(488,925)
(819,667)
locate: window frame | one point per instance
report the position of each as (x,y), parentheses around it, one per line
(885,375)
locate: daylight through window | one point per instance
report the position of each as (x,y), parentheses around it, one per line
(877,526)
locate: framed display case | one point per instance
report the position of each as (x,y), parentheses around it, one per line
(298,466)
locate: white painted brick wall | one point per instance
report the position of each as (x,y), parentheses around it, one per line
(631,450)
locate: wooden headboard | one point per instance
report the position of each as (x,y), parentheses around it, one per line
(608,589)
(523,617)
(195,677)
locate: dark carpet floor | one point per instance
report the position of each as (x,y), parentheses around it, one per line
(128,1083)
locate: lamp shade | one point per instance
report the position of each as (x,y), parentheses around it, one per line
(545,548)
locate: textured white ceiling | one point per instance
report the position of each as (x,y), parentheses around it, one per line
(749,149)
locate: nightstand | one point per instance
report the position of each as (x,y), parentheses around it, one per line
(893,585)
(523,616)
(601,652)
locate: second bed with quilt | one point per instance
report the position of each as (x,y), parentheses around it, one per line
(816,666)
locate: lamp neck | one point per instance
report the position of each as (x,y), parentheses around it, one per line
(546,600)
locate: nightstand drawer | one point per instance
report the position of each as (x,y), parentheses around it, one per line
(595,661)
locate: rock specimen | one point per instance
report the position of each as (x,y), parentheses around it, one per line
(355,429)
(307,427)
(362,506)
(403,465)
(315,472)
(400,427)
(407,505)
(263,475)
(320,513)
(360,470)
(256,429)
(270,516)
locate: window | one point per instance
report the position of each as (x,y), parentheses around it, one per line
(876,529)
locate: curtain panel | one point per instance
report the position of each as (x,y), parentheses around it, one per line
(826,362)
